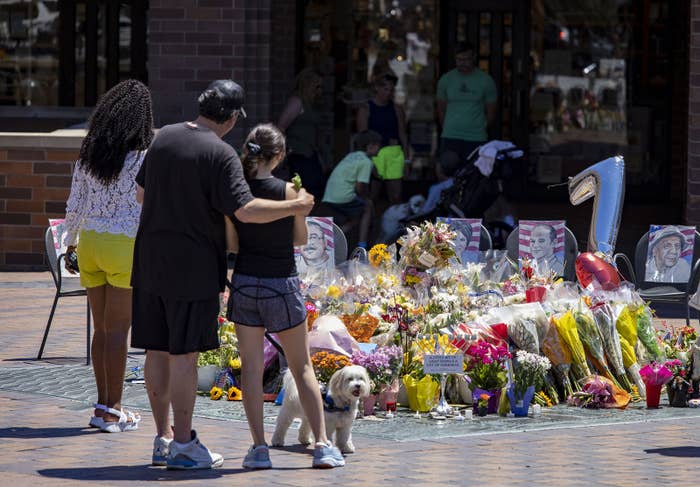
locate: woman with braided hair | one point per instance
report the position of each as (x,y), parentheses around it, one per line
(102,208)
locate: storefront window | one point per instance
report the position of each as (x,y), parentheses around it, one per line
(600,86)
(400,38)
(29,52)
(45,62)
(351,42)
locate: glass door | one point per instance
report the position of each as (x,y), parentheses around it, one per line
(497,30)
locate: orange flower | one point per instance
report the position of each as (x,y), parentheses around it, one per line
(361,327)
(326,363)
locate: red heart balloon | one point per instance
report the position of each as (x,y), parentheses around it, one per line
(592,269)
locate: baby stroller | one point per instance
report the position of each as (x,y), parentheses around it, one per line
(476,186)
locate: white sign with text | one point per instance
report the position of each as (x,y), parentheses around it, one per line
(443,364)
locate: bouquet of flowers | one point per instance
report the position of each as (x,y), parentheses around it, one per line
(326,363)
(530,370)
(679,383)
(655,374)
(566,327)
(383,365)
(382,256)
(361,326)
(487,365)
(593,343)
(429,246)
(599,392)
(560,357)
(227,352)
(646,333)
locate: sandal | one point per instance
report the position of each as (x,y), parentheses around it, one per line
(128,421)
(97,421)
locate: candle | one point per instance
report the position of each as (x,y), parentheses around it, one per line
(536,410)
(468,414)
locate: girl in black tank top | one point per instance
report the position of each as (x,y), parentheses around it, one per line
(265,295)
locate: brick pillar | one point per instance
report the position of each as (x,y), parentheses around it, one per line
(692,209)
(192,42)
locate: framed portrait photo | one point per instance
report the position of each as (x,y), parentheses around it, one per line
(670,253)
(541,242)
(468,232)
(318,254)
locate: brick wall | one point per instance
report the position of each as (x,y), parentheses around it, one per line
(692,209)
(192,42)
(35,178)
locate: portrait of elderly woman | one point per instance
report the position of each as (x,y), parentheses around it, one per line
(665,260)
(467,234)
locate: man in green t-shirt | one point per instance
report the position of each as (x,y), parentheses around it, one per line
(466,102)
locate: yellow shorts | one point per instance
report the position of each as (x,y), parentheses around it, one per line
(105,258)
(390,162)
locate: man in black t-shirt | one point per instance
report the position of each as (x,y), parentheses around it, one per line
(189,180)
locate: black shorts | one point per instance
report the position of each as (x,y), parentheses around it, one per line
(271,302)
(174,325)
(350,209)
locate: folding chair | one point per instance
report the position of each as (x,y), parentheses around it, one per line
(340,245)
(673,293)
(65,287)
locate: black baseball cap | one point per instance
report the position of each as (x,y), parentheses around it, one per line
(223,97)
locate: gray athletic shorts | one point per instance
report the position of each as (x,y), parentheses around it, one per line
(272,302)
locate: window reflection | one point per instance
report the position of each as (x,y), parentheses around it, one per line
(600,86)
(29,52)
(401,40)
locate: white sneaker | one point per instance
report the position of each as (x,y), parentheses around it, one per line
(327,456)
(161,447)
(192,456)
(258,457)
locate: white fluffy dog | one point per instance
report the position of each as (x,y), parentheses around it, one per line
(346,387)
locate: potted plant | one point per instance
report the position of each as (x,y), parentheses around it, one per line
(213,363)
(529,374)
(679,387)
(383,365)
(486,372)
(482,404)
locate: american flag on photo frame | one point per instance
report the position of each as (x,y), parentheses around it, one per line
(525,232)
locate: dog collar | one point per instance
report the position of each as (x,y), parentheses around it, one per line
(329,405)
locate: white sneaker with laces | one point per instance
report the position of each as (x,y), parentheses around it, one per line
(161,447)
(258,457)
(192,456)
(327,456)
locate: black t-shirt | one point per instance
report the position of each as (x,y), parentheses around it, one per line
(266,250)
(191,180)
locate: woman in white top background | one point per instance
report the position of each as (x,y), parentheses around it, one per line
(103,210)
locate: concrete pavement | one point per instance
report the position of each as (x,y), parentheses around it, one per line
(43,438)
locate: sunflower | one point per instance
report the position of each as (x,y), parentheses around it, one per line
(215,393)
(234,394)
(378,254)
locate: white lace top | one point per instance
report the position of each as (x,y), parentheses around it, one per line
(104,208)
